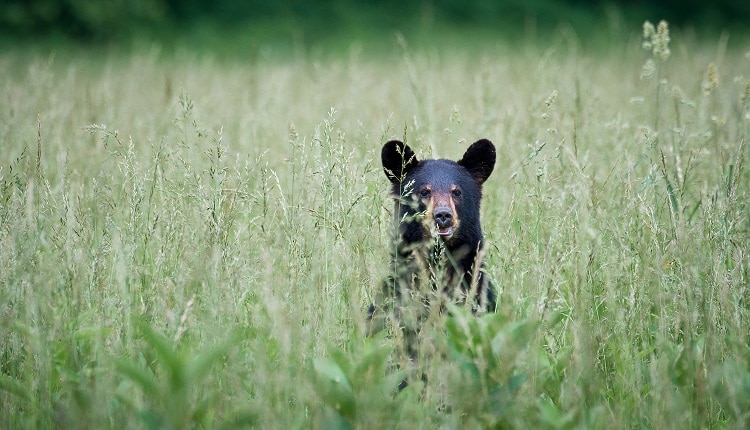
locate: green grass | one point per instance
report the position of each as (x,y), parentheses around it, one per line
(192,243)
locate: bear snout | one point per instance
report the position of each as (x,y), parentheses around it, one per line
(445,221)
(443,217)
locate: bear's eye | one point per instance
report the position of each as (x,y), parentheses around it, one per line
(456,193)
(425,193)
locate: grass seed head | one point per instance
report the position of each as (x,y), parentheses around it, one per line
(711,80)
(657,40)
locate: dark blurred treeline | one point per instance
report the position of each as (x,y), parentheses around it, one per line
(92,20)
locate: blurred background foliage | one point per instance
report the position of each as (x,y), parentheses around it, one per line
(309,22)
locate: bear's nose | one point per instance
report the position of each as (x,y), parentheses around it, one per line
(443,217)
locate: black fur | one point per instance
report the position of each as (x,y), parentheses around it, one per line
(439,239)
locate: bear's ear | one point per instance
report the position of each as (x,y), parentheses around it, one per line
(479,160)
(398,159)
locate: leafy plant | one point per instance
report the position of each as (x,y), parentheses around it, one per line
(488,352)
(358,387)
(170,382)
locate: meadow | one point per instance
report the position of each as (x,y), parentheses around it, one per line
(188,242)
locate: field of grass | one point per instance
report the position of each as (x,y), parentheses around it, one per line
(187,242)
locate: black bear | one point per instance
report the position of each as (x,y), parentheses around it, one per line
(437,255)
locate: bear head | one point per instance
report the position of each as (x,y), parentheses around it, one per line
(439,198)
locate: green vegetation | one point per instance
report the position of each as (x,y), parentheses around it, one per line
(192,243)
(91,17)
(231,23)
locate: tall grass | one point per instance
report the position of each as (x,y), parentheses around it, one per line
(185,243)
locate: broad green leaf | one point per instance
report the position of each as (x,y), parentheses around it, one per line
(342,359)
(15,387)
(374,362)
(166,353)
(334,386)
(142,377)
(333,420)
(152,419)
(200,365)
(552,417)
(68,374)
